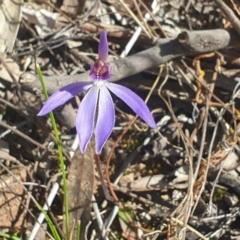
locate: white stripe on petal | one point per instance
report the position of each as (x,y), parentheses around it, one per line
(85,117)
(105,118)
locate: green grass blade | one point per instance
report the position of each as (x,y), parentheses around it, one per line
(9,236)
(60,154)
(78,230)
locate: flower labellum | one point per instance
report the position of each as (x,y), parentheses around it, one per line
(98,101)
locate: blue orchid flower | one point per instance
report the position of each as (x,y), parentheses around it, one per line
(96,113)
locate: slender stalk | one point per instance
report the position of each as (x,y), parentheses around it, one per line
(9,236)
(60,154)
(78,230)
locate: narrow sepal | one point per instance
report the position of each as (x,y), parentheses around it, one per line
(62,95)
(85,117)
(105,118)
(133,101)
(103,47)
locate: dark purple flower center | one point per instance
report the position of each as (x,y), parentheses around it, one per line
(100,68)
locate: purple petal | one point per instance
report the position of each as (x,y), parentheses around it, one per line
(133,101)
(85,117)
(63,95)
(103,47)
(105,118)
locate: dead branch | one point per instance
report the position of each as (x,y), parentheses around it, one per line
(186,44)
(229,15)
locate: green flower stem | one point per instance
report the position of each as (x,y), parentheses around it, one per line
(60,153)
(9,236)
(78,230)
